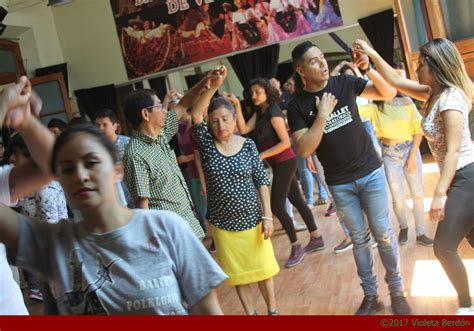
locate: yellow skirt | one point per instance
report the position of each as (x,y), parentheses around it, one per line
(244,255)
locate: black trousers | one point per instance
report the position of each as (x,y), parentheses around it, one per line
(285,185)
(458,223)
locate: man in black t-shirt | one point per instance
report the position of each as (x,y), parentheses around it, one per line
(324,118)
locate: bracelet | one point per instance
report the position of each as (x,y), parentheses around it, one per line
(267,218)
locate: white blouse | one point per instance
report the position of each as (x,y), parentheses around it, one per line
(433,127)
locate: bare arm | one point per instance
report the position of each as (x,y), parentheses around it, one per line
(25,179)
(214,80)
(377,88)
(194,93)
(244,127)
(411,161)
(278,124)
(202,179)
(264,194)
(453,121)
(142,203)
(209,305)
(404,85)
(33,174)
(14,97)
(336,69)
(307,141)
(416,143)
(9,227)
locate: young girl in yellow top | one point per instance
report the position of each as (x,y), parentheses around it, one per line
(397,125)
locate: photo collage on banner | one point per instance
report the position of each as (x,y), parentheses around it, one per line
(157,35)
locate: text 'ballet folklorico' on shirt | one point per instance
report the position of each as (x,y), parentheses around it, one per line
(338,119)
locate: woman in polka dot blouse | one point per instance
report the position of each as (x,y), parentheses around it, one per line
(238,197)
(273,143)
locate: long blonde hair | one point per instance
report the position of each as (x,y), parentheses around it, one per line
(447,66)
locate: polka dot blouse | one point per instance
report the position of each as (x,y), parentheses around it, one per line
(231,182)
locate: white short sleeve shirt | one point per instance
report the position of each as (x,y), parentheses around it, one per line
(11,300)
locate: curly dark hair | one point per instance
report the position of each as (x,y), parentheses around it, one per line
(273,95)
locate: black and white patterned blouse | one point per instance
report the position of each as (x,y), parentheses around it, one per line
(46,205)
(231,182)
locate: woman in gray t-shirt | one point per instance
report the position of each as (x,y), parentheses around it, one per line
(115,260)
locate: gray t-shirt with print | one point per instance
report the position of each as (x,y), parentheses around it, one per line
(152,265)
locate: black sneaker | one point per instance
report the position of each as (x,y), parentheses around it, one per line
(403,236)
(400,305)
(424,240)
(370,305)
(330,211)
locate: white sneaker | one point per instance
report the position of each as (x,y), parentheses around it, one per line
(465,311)
(373,243)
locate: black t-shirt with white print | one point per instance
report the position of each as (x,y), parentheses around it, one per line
(346,151)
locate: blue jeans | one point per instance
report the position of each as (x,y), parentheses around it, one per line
(306,179)
(394,159)
(323,194)
(369,194)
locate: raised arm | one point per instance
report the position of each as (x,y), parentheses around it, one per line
(377,88)
(196,92)
(244,127)
(406,86)
(31,175)
(202,178)
(214,80)
(307,141)
(338,67)
(14,96)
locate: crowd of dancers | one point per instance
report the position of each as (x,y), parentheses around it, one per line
(133,241)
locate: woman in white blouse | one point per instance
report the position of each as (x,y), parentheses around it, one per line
(444,85)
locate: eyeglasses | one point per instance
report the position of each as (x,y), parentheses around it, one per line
(159,106)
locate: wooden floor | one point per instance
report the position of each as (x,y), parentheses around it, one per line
(327,284)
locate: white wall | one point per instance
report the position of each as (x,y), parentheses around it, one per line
(90,44)
(42,48)
(29,52)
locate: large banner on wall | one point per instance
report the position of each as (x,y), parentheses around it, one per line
(157,35)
